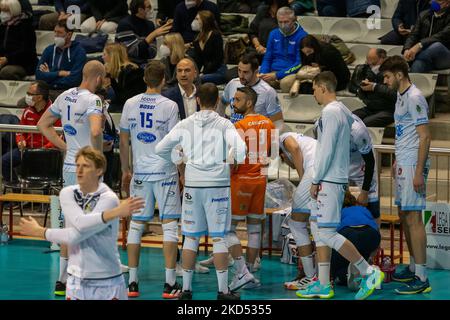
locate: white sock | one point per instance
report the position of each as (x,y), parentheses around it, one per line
(324,273)
(187,279)
(222,279)
(421,272)
(171,276)
(133,275)
(241,266)
(308,266)
(412,264)
(63,269)
(363,267)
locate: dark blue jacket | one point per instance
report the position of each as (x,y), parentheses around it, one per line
(73,60)
(356,216)
(173,93)
(407,12)
(62,5)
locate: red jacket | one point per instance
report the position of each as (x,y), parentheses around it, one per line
(30,117)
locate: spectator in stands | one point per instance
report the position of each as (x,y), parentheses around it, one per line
(27,9)
(265,21)
(360,228)
(404,19)
(138,32)
(427,48)
(61,64)
(106,14)
(17,42)
(343,8)
(124,77)
(302,6)
(238,6)
(325,56)
(379,98)
(37,102)
(282,57)
(184,93)
(185,14)
(48,21)
(208,48)
(171,52)
(166,10)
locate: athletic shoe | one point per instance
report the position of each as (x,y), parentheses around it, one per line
(405,275)
(133,290)
(185,295)
(201,269)
(240,280)
(415,286)
(299,284)
(369,283)
(60,289)
(353,278)
(230,295)
(252,285)
(209,263)
(316,290)
(124,268)
(171,292)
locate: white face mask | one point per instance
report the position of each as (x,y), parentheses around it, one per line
(29,100)
(5,16)
(195,25)
(190,3)
(149,15)
(60,41)
(164,51)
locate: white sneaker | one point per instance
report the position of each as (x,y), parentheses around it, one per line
(240,280)
(256,265)
(299,284)
(124,268)
(252,285)
(209,263)
(201,269)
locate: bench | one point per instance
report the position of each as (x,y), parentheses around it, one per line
(18,198)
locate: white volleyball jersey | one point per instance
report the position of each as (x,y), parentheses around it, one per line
(307,146)
(148,118)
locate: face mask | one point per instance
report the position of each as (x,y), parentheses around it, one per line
(5,17)
(285,28)
(195,25)
(29,101)
(190,3)
(149,15)
(164,51)
(435,6)
(60,41)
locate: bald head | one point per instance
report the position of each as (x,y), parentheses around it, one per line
(186,72)
(376,57)
(93,69)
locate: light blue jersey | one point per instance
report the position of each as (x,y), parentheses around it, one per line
(148,118)
(266,105)
(411,110)
(74,107)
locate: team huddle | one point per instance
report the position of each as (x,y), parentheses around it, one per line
(210,173)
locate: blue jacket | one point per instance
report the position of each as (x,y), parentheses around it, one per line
(283,53)
(356,216)
(62,5)
(73,60)
(173,93)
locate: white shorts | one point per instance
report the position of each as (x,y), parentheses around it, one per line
(405,196)
(106,289)
(302,196)
(373,192)
(327,209)
(166,192)
(206,211)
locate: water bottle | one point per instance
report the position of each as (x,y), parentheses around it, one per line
(4,236)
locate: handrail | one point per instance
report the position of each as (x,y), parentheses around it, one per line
(16,128)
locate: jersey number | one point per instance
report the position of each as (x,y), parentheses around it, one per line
(146,120)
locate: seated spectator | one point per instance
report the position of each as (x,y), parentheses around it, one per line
(48,21)
(302,6)
(186,12)
(166,10)
(404,19)
(37,102)
(17,42)
(61,64)
(282,57)
(106,14)
(125,77)
(27,8)
(171,52)
(208,48)
(239,6)
(265,21)
(138,33)
(359,227)
(427,48)
(325,56)
(344,8)
(379,98)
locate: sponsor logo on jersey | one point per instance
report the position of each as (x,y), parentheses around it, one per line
(244,194)
(98,103)
(69,99)
(146,137)
(171,183)
(188,212)
(138,182)
(220,199)
(400,171)
(148,99)
(171,193)
(188,196)
(188,222)
(222,211)
(419,109)
(71,131)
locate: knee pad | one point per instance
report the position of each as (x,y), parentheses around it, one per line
(331,238)
(170,231)
(219,245)
(300,232)
(135,232)
(191,244)
(232,239)
(254,235)
(315,233)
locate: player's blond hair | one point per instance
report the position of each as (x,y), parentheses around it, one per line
(93,155)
